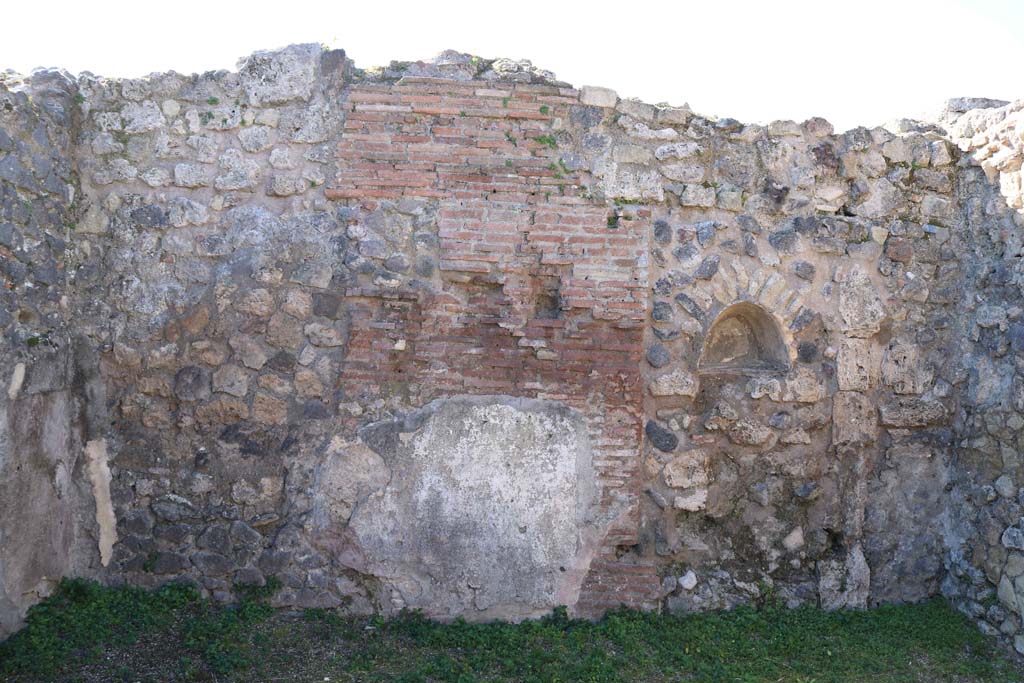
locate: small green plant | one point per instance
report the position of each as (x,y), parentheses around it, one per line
(548,140)
(544,109)
(79,98)
(205,117)
(212,101)
(505,101)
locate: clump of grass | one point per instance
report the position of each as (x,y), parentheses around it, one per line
(82,616)
(83,619)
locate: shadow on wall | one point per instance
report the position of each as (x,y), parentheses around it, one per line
(744,339)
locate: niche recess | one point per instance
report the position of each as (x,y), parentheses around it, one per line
(744,339)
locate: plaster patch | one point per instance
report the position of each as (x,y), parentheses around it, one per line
(99,476)
(489,512)
(17,379)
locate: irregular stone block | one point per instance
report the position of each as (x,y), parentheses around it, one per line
(694,501)
(192,383)
(231,379)
(658,356)
(748,433)
(269,410)
(660,437)
(598,97)
(844,583)
(912,412)
(675,383)
(275,77)
(687,470)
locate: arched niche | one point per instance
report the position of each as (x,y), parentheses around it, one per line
(743,339)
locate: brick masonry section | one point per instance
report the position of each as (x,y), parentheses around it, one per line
(540,294)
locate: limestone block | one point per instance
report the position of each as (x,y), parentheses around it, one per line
(804,386)
(854,420)
(749,433)
(1006,594)
(683,172)
(857,364)
(350,472)
(598,97)
(902,369)
(255,138)
(249,351)
(911,412)
(859,304)
(677,150)
(274,77)
(324,335)
(794,540)
(696,195)
(687,470)
(630,184)
(676,383)
(693,501)
(844,583)
(240,172)
(190,175)
(142,117)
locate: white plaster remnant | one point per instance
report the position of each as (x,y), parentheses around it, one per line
(99,476)
(504,486)
(17,379)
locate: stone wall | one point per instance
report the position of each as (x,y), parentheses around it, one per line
(48,526)
(986,563)
(368,331)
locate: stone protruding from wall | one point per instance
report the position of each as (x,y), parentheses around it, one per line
(454,335)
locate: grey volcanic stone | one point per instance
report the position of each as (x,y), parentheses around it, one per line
(660,437)
(658,356)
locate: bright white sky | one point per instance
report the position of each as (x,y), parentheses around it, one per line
(854,62)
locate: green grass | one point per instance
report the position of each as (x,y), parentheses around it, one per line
(89,634)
